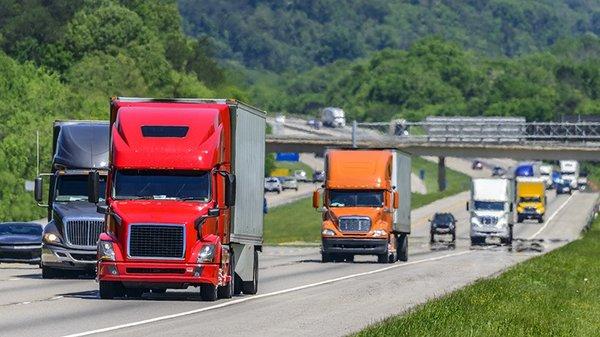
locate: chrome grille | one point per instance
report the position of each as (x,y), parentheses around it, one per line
(488,220)
(156,241)
(355,224)
(83,232)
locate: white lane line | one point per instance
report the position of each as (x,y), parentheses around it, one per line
(552,217)
(256,297)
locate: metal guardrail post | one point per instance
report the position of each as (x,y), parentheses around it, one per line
(354,125)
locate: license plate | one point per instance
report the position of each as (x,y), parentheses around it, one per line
(492,240)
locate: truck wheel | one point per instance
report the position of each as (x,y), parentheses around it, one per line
(454,235)
(251,287)
(519,219)
(477,241)
(208,292)
(237,286)
(402,248)
(326,257)
(50,273)
(110,290)
(541,219)
(383,258)
(431,237)
(227,291)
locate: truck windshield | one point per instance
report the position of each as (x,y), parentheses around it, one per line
(75,188)
(353,198)
(162,184)
(489,205)
(529,199)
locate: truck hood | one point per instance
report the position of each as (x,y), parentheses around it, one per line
(159,211)
(375,214)
(496,214)
(76,210)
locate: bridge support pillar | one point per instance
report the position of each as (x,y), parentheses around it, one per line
(441,173)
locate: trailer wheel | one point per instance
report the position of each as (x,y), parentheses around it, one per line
(110,290)
(208,292)
(228,290)
(402,247)
(251,287)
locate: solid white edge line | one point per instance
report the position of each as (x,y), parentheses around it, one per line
(552,217)
(256,297)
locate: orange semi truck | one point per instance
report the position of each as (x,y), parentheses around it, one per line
(366,205)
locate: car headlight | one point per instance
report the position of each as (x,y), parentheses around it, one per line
(207,254)
(328,232)
(51,238)
(106,251)
(379,232)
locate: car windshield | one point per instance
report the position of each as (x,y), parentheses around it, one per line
(442,218)
(489,205)
(20,229)
(272,180)
(353,198)
(75,188)
(162,184)
(529,199)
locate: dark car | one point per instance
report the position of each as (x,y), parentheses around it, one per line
(442,223)
(318,176)
(20,242)
(563,186)
(477,165)
(498,171)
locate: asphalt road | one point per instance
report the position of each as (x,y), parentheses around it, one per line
(298,295)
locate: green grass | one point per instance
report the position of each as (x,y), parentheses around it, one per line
(552,295)
(299,222)
(292,166)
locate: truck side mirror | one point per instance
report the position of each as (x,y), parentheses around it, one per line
(315,199)
(467,206)
(229,190)
(94,187)
(38,189)
(396,199)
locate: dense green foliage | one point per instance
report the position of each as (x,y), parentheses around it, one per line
(299,34)
(552,295)
(435,77)
(75,54)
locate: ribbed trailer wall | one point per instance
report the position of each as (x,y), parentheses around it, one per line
(248,165)
(401,179)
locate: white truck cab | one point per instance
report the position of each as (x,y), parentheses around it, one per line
(569,171)
(491,210)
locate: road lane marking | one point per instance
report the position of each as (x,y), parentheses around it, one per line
(256,297)
(552,217)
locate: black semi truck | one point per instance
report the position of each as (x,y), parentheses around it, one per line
(70,238)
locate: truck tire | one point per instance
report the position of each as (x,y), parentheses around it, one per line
(237,286)
(383,258)
(227,291)
(519,219)
(208,292)
(454,235)
(50,273)
(326,257)
(477,241)
(251,287)
(402,247)
(431,237)
(541,219)
(109,290)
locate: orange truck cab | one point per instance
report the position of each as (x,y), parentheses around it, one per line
(366,205)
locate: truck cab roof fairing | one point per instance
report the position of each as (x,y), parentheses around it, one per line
(359,169)
(81,145)
(194,151)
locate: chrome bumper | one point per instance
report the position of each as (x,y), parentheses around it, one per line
(66,258)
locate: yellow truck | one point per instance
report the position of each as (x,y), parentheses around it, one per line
(531,199)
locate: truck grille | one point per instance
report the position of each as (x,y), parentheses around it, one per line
(83,233)
(157,241)
(488,220)
(355,224)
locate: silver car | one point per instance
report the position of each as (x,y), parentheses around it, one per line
(300,175)
(289,183)
(273,184)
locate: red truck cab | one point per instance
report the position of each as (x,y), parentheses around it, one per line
(178,213)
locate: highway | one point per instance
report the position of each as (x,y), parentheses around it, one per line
(298,295)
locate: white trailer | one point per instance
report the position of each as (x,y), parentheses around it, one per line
(569,171)
(492,210)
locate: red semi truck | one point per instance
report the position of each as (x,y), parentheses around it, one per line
(184,197)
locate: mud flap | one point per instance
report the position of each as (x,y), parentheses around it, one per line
(244,264)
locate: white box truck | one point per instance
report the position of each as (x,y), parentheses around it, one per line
(546,175)
(569,171)
(491,210)
(333,117)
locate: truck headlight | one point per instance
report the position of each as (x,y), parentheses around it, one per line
(328,232)
(379,232)
(207,254)
(51,238)
(106,251)
(475,221)
(538,211)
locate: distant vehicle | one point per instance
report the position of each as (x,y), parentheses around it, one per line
(21,242)
(318,176)
(582,181)
(289,183)
(280,119)
(315,123)
(491,209)
(398,127)
(546,174)
(333,117)
(273,184)
(563,187)
(531,198)
(525,170)
(477,165)
(300,175)
(498,171)
(442,223)
(555,176)
(569,171)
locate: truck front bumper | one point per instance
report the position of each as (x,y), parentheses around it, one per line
(482,232)
(66,258)
(530,215)
(174,275)
(355,246)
